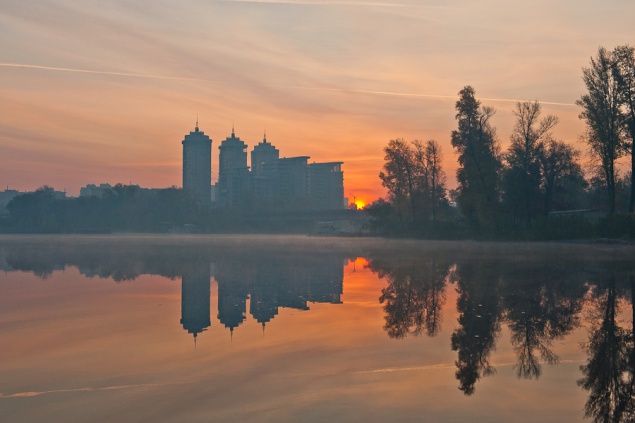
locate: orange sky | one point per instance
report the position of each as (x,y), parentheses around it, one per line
(111,89)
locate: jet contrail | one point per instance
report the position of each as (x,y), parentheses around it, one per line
(98,72)
(54,391)
(346,90)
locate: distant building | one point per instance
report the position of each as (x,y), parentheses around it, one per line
(271,183)
(233,173)
(292,179)
(92,190)
(326,185)
(197,165)
(264,171)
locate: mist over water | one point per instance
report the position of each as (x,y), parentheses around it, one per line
(262,328)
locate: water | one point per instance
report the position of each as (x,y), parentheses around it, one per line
(225,329)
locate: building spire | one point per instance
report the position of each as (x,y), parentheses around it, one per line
(196,130)
(233,136)
(264,139)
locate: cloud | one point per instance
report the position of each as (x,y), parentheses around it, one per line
(326,89)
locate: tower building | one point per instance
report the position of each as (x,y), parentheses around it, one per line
(197,166)
(264,170)
(233,173)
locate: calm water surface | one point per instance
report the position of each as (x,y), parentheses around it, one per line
(177,332)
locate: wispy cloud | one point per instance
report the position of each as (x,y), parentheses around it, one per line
(326,89)
(336,3)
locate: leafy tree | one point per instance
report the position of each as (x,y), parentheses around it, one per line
(624,71)
(603,116)
(478,174)
(522,176)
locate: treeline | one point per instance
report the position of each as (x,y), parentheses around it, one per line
(537,188)
(122,208)
(128,208)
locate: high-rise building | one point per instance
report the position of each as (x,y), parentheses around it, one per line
(197,166)
(326,185)
(264,171)
(233,173)
(292,179)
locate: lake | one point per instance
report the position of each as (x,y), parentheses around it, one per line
(299,329)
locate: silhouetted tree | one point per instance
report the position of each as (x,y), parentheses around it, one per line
(435,178)
(522,176)
(479,163)
(563,181)
(624,71)
(603,116)
(415,180)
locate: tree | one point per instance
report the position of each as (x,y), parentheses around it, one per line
(604,119)
(624,72)
(398,175)
(436,177)
(563,181)
(522,178)
(414,178)
(478,174)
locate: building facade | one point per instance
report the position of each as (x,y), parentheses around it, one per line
(233,173)
(290,183)
(197,166)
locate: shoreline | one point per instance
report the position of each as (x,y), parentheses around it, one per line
(304,244)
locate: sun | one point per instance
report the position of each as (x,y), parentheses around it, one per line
(360,203)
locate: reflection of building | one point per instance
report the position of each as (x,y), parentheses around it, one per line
(195,301)
(271,283)
(197,165)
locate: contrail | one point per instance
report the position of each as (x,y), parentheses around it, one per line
(55,391)
(98,72)
(447,366)
(346,90)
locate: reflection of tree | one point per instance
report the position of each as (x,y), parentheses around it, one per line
(539,307)
(480,315)
(608,375)
(414,296)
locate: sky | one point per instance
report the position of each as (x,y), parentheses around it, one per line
(96,92)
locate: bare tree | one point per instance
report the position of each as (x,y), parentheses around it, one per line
(624,71)
(523,173)
(604,119)
(559,164)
